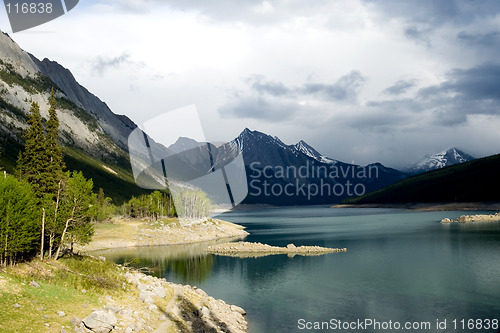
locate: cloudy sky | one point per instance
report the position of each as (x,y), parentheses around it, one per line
(359,80)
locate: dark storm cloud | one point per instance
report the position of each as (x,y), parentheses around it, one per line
(467,92)
(344,89)
(274,101)
(477,83)
(420,18)
(464,92)
(259,84)
(258,107)
(490,39)
(400,87)
(431,13)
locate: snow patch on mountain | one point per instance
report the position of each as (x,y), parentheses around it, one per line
(440,160)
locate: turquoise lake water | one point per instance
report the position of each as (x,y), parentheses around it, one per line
(401,266)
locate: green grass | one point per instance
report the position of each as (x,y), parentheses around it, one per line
(74,285)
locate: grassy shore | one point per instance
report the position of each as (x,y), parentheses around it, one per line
(33,293)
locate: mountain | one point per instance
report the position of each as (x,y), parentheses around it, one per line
(94,139)
(117,127)
(440,160)
(474,181)
(281,174)
(306,149)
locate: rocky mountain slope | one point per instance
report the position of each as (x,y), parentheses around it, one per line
(94,139)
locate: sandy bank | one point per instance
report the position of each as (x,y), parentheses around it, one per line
(474,218)
(247,249)
(121,233)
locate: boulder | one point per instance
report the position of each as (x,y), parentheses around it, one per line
(142,286)
(100,321)
(147,296)
(160,292)
(238,309)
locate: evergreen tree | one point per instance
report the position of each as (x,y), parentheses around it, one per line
(33,163)
(54,154)
(103,207)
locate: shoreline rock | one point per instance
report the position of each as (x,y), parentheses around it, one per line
(473,218)
(248,249)
(160,306)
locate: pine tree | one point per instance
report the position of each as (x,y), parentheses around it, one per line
(34,161)
(54,154)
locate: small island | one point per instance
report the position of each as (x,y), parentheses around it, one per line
(474,218)
(248,249)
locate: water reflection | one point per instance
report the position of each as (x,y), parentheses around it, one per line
(189,262)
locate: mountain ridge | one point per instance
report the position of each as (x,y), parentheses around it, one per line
(271,163)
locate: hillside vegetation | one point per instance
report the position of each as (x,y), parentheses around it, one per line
(474,181)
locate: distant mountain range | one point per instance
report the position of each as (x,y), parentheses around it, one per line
(297,174)
(95,140)
(440,160)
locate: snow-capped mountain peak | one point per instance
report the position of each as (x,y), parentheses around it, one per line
(306,149)
(440,160)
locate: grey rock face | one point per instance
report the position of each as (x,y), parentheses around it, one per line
(117,127)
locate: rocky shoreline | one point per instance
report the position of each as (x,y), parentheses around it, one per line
(474,218)
(248,249)
(160,306)
(164,306)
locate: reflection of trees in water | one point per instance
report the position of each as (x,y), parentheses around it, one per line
(191,270)
(194,269)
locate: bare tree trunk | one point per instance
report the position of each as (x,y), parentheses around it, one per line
(56,210)
(51,245)
(43,234)
(62,239)
(61,244)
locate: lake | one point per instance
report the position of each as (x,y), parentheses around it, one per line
(401,267)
